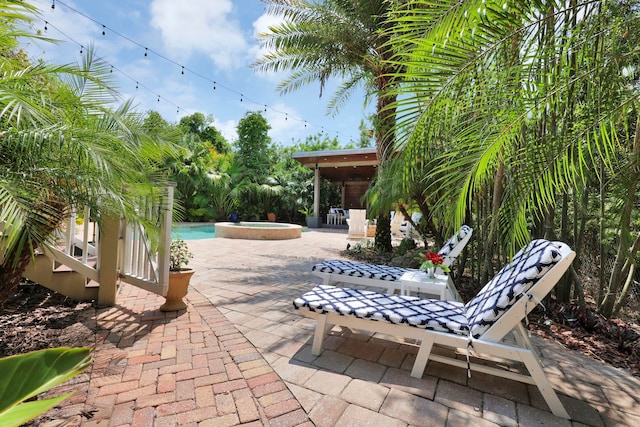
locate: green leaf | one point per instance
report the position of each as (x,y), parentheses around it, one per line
(20,414)
(27,375)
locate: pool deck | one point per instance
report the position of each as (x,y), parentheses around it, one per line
(240,355)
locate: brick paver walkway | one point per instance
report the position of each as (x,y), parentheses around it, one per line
(240,355)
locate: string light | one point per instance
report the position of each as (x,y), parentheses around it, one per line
(183,68)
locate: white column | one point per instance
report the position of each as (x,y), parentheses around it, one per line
(316,192)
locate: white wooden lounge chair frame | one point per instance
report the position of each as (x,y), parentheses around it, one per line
(488,343)
(389,277)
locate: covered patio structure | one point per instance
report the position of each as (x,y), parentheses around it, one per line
(351,169)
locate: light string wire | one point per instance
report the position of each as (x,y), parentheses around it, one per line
(182,68)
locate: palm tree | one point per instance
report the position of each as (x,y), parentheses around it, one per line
(62,146)
(533,100)
(347,39)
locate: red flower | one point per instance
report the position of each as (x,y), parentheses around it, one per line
(435,258)
(430,260)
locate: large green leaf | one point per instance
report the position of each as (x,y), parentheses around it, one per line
(27,375)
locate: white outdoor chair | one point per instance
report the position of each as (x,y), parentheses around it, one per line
(478,328)
(358,224)
(396,222)
(338,271)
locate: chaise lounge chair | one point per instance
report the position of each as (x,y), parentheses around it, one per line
(336,271)
(479,326)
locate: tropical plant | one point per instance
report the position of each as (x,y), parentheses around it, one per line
(347,39)
(534,102)
(63,146)
(25,376)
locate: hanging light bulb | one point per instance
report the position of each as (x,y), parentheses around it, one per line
(214,85)
(241,97)
(265,108)
(286,116)
(53,4)
(145,52)
(45,26)
(137,85)
(305,123)
(158,98)
(111,70)
(182,70)
(81,48)
(103,32)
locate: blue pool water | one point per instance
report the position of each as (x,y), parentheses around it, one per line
(193,231)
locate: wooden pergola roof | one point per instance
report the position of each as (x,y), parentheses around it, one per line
(339,166)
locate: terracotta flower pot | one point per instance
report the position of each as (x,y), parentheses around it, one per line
(178,288)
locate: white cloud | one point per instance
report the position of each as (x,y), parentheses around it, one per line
(228,129)
(201,26)
(260,26)
(285,123)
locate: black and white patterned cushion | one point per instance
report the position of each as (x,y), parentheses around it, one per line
(383,272)
(444,316)
(496,297)
(359,269)
(450,244)
(506,287)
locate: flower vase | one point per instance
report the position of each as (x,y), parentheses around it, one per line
(431,272)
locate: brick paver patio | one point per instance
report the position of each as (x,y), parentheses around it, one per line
(240,355)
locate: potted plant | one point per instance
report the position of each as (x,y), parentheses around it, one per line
(179,276)
(312,220)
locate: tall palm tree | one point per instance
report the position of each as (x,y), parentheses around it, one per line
(61,146)
(347,39)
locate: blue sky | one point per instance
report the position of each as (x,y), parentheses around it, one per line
(215,41)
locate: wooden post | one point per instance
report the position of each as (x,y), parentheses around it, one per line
(108,265)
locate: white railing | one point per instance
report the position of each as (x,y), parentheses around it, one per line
(139,262)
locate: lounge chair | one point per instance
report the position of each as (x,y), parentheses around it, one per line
(358,224)
(478,327)
(336,271)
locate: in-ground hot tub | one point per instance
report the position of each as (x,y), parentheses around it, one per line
(258,230)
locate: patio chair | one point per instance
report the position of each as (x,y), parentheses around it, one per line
(337,271)
(396,222)
(358,224)
(478,328)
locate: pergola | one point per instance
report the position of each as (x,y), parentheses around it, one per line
(351,169)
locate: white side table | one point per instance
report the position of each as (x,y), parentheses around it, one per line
(332,219)
(419,281)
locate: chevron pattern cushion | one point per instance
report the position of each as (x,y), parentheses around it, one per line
(446,249)
(506,287)
(359,269)
(444,316)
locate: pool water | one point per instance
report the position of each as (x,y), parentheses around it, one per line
(193,231)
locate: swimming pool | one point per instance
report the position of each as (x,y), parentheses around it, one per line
(193,231)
